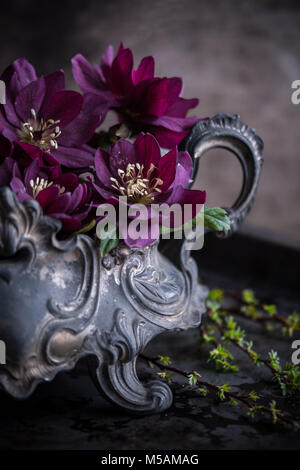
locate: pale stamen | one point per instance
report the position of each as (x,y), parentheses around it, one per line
(39,185)
(42,133)
(132,183)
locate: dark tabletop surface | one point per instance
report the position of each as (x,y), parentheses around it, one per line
(69,413)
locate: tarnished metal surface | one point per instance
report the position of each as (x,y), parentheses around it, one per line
(68,413)
(61,302)
(228,132)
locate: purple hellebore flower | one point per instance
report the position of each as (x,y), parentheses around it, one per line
(138,172)
(60,195)
(24,154)
(142,101)
(39,112)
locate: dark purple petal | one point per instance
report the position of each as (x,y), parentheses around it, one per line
(122,153)
(181,106)
(54,82)
(30,97)
(9,132)
(148,150)
(18,75)
(141,242)
(166,138)
(3,120)
(184,170)
(102,167)
(47,196)
(32,173)
(120,73)
(174,87)
(49,160)
(184,196)
(77,198)
(74,157)
(82,216)
(63,107)
(60,204)
(16,170)
(69,181)
(6,169)
(173,123)
(167,169)
(144,71)
(24,197)
(156,100)
(9,115)
(106,61)
(25,153)
(70,224)
(86,76)
(104,193)
(6,147)
(136,97)
(82,128)
(17,186)
(120,49)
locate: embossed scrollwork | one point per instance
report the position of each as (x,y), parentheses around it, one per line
(60,302)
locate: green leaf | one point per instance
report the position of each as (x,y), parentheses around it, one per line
(270,309)
(213,305)
(216,294)
(165,360)
(165,375)
(294,321)
(248,297)
(216,218)
(206,338)
(275,412)
(252,411)
(222,390)
(221,356)
(192,378)
(107,244)
(250,310)
(253,395)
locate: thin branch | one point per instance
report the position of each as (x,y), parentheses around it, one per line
(229,395)
(260,318)
(242,347)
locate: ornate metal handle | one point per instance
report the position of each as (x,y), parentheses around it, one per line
(228,132)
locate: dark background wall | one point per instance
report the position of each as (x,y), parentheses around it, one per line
(238,56)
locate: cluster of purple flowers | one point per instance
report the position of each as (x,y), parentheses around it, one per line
(50,146)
